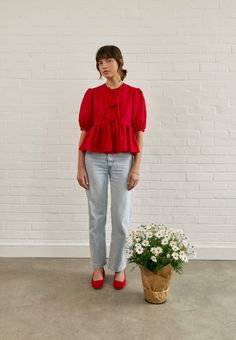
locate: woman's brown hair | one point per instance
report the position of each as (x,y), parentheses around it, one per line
(111,51)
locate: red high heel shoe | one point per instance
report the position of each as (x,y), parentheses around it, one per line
(119,284)
(97,284)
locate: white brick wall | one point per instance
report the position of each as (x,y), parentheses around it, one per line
(182,53)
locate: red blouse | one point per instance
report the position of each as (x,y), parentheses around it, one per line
(111,117)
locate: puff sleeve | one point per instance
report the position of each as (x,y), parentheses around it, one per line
(139,113)
(85,111)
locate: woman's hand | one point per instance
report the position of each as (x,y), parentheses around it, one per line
(82,177)
(133,179)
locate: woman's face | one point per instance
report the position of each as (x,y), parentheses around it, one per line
(108,67)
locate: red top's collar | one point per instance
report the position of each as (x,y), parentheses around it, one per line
(109,89)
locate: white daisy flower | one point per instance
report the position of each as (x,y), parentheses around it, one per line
(145,243)
(158,250)
(149,234)
(153,258)
(185,259)
(175,255)
(164,241)
(130,252)
(139,250)
(185,242)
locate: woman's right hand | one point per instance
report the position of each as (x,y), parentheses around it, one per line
(82,177)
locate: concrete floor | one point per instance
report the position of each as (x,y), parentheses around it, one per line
(52,298)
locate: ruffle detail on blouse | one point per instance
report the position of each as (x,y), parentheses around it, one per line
(111,138)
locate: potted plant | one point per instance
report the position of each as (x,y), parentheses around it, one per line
(158,250)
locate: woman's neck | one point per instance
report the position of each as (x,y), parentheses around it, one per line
(114,83)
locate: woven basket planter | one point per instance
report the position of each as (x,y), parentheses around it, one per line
(156,285)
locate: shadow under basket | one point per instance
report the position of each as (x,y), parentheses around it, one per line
(156,285)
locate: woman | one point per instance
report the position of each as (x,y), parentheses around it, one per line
(112,118)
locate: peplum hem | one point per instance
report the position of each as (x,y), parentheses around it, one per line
(111,138)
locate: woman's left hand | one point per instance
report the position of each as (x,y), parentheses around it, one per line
(133,179)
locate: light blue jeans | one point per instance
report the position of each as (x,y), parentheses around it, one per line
(100,167)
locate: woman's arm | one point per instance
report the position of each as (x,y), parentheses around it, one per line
(82,176)
(133,177)
(137,156)
(81,153)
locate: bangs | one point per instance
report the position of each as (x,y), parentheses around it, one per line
(105,53)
